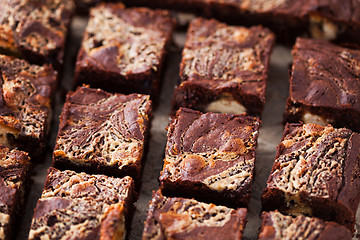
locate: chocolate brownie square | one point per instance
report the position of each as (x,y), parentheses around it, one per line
(181,218)
(326,19)
(35,29)
(100,132)
(278,226)
(14,173)
(316,173)
(83,205)
(210,157)
(26,94)
(324,85)
(123,49)
(224,68)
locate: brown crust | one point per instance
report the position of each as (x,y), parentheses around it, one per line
(306,152)
(90,206)
(210,157)
(180,218)
(325,81)
(276,226)
(220,60)
(35,30)
(25,103)
(123,49)
(102,132)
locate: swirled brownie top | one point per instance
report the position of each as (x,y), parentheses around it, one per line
(125,41)
(14,166)
(35,26)
(311,159)
(217,150)
(278,226)
(102,129)
(325,75)
(217,55)
(25,100)
(180,218)
(88,206)
(100,188)
(346,11)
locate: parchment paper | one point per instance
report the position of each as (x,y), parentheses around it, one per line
(269,135)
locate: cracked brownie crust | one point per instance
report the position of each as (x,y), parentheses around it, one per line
(103,132)
(123,49)
(25,104)
(316,173)
(324,85)
(221,62)
(87,206)
(35,30)
(278,226)
(180,218)
(14,172)
(210,157)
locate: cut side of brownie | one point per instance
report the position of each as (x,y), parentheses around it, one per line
(180,218)
(25,104)
(210,157)
(316,173)
(14,173)
(276,226)
(324,85)
(82,205)
(101,132)
(123,49)
(35,29)
(224,68)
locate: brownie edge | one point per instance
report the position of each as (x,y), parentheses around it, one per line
(276,226)
(123,49)
(106,133)
(316,173)
(180,218)
(88,206)
(210,157)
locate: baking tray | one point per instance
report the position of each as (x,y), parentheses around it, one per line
(269,135)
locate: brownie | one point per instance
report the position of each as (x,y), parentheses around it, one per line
(100,132)
(324,85)
(181,218)
(327,19)
(26,94)
(35,29)
(87,206)
(224,68)
(210,157)
(278,226)
(14,173)
(123,49)
(316,172)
